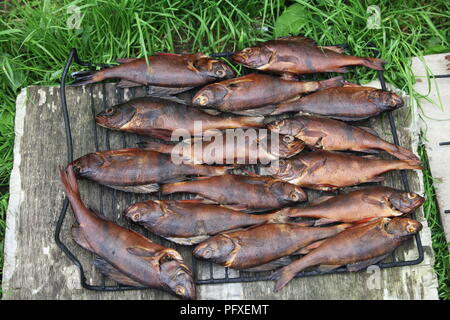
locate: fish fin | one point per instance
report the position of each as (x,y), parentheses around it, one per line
(370,130)
(155,146)
(275,264)
(237,207)
(126,60)
(336,49)
(299,39)
(161,134)
(128,84)
(411,165)
(145,188)
(377,179)
(309,248)
(87,77)
(289,76)
(306,223)
(114,274)
(204,200)
(370,157)
(367,199)
(316,165)
(320,200)
(351,84)
(188,241)
(142,252)
(331,83)
(365,263)
(322,221)
(212,112)
(327,267)
(166,54)
(373,63)
(364,221)
(174,180)
(79,238)
(371,151)
(262,111)
(165,91)
(405,154)
(282,276)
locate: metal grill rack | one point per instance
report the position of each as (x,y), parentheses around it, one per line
(210,273)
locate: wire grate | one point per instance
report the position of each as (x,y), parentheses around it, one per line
(204,272)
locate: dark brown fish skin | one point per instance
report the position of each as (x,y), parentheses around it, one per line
(167,70)
(159,118)
(334,135)
(355,244)
(129,252)
(253,90)
(361,205)
(328,170)
(299,55)
(255,149)
(239,192)
(184,218)
(255,246)
(135,166)
(348,103)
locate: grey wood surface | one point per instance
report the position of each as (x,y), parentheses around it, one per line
(35,268)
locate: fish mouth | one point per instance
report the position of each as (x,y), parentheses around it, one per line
(132,213)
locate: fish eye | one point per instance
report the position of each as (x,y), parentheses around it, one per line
(412,195)
(202,100)
(180,290)
(220,73)
(288,138)
(294,196)
(136,216)
(109,111)
(281,162)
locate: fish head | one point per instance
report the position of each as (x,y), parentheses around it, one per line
(217,248)
(254,57)
(210,95)
(177,277)
(87,165)
(386,100)
(116,117)
(405,202)
(286,127)
(213,68)
(287,192)
(402,227)
(289,146)
(147,212)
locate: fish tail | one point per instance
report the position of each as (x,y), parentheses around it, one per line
(373,63)
(87,77)
(332,82)
(409,165)
(404,154)
(70,183)
(283,276)
(280,216)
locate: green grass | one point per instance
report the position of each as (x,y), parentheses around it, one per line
(35,38)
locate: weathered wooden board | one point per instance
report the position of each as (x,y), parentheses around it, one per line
(35,268)
(435,116)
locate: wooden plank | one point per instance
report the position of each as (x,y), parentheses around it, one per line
(35,268)
(435,124)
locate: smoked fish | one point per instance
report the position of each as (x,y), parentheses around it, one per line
(159,118)
(239,192)
(328,170)
(357,247)
(291,56)
(124,255)
(334,135)
(137,170)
